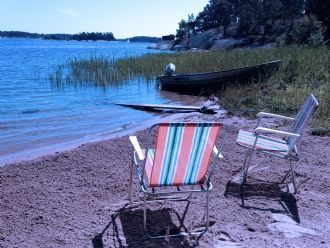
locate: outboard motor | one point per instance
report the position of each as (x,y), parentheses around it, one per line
(169,69)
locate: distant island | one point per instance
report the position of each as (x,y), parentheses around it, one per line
(142,39)
(93,36)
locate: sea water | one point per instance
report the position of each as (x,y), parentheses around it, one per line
(35,117)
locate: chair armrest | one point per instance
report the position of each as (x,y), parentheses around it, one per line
(216,152)
(268,130)
(264,114)
(137,147)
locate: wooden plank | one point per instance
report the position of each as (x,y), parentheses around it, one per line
(160,106)
(167,106)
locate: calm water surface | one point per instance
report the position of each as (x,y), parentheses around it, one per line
(34,116)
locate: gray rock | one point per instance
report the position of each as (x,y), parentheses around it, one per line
(269,45)
(206,39)
(182,45)
(211,39)
(224,44)
(163,45)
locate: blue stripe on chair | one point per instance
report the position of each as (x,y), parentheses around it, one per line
(167,155)
(173,161)
(151,154)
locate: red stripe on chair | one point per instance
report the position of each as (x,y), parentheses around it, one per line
(207,152)
(149,165)
(185,152)
(163,130)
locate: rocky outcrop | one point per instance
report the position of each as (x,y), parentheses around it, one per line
(163,45)
(226,44)
(206,39)
(211,39)
(182,45)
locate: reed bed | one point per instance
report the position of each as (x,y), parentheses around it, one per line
(303,71)
(94,71)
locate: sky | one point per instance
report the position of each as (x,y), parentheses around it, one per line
(124,18)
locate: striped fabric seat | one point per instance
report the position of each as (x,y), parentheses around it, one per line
(182,155)
(265,143)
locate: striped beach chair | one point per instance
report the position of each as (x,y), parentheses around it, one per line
(284,144)
(180,161)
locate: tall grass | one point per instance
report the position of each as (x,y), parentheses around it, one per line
(152,65)
(303,71)
(94,71)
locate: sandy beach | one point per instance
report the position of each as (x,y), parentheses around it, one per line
(78,198)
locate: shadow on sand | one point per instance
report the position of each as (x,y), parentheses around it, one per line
(127,229)
(268,191)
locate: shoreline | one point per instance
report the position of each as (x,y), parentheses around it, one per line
(79,198)
(127,129)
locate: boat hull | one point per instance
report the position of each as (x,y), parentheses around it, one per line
(214,80)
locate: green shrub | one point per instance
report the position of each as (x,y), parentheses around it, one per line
(309,31)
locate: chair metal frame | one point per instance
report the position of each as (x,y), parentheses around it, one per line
(150,193)
(291,154)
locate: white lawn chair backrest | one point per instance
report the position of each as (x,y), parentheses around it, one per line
(302,118)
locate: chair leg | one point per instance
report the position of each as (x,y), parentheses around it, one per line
(130,185)
(246,165)
(293,177)
(145,214)
(207,212)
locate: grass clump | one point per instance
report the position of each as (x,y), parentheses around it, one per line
(303,71)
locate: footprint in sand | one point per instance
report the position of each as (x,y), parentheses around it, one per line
(289,227)
(225,241)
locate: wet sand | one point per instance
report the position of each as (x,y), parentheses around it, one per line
(78,198)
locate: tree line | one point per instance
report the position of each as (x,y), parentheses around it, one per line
(108,36)
(300,21)
(144,39)
(93,36)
